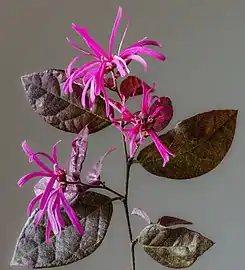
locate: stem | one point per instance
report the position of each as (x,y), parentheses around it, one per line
(99,187)
(129,162)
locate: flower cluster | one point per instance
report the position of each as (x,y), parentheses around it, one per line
(92,74)
(57,188)
(156,112)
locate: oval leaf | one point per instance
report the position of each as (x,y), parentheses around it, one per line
(45,93)
(132,86)
(171,221)
(94,211)
(199,143)
(175,248)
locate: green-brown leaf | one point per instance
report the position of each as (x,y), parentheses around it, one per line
(94,211)
(174,248)
(44,91)
(199,143)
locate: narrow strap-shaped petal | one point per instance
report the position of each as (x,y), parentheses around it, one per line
(50,212)
(145,42)
(48,232)
(29,176)
(80,72)
(89,74)
(47,192)
(121,66)
(123,36)
(97,49)
(132,145)
(84,93)
(142,50)
(70,67)
(33,157)
(163,150)
(74,45)
(114,30)
(32,204)
(71,214)
(100,82)
(58,215)
(138,59)
(92,93)
(54,152)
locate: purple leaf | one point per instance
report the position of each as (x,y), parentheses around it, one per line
(45,93)
(173,248)
(93,177)
(199,144)
(167,221)
(165,115)
(94,211)
(78,154)
(141,213)
(132,86)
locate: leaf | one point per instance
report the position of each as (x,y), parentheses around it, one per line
(170,221)
(175,248)
(141,213)
(94,211)
(45,93)
(93,177)
(78,153)
(132,86)
(199,143)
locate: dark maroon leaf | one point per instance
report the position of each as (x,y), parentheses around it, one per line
(165,115)
(132,86)
(199,143)
(174,248)
(170,221)
(94,211)
(44,91)
(78,153)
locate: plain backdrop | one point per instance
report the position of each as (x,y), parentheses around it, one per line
(204,43)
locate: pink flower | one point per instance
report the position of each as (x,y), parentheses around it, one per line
(91,75)
(156,113)
(52,192)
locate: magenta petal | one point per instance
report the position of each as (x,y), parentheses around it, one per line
(123,36)
(163,150)
(74,45)
(138,59)
(98,50)
(114,30)
(132,145)
(146,42)
(32,204)
(50,212)
(142,50)
(54,152)
(48,232)
(84,93)
(47,192)
(71,214)
(57,213)
(33,157)
(29,176)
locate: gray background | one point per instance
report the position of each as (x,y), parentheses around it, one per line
(204,42)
